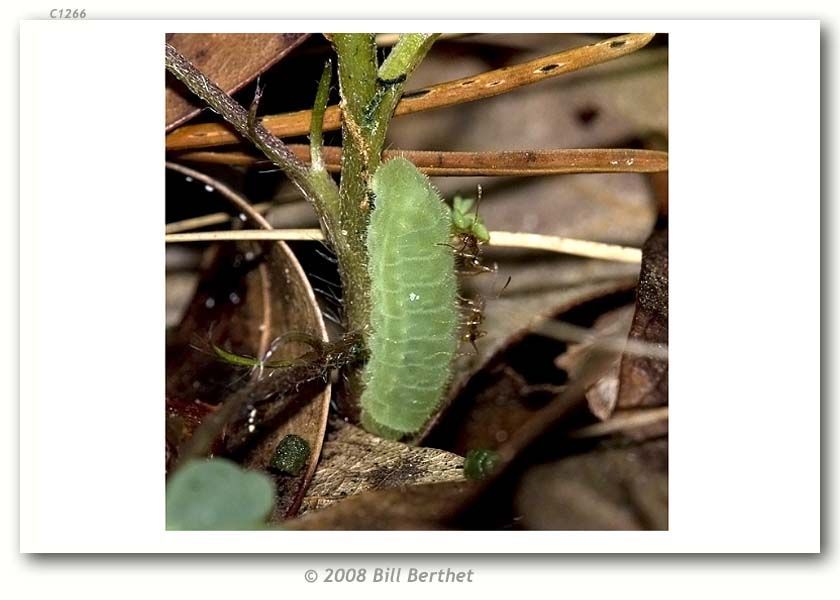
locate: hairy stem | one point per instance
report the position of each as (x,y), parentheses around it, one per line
(369,95)
(357,83)
(278,389)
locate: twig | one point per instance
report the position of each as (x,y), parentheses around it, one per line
(385,40)
(468,89)
(567,332)
(313,235)
(211,219)
(563,245)
(622,422)
(497,238)
(524,163)
(239,118)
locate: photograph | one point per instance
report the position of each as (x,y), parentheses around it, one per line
(416,281)
(304,305)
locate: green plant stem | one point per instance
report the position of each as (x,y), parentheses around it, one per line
(320,179)
(316,126)
(357,83)
(356,70)
(391,77)
(406,55)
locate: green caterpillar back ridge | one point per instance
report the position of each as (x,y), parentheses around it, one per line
(414,314)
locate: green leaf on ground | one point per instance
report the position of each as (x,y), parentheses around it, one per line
(216,494)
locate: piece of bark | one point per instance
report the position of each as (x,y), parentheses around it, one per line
(644,379)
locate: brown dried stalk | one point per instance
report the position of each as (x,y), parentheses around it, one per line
(486,85)
(508,163)
(510,239)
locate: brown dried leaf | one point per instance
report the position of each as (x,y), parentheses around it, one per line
(607,489)
(354,461)
(643,379)
(493,493)
(495,405)
(249,294)
(232,60)
(603,395)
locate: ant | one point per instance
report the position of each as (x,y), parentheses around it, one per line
(470,232)
(473,313)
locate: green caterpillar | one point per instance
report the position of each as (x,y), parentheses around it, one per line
(414,314)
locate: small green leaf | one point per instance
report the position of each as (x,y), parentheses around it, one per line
(462,205)
(459,221)
(217,494)
(244,360)
(465,219)
(235,359)
(479,230)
